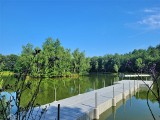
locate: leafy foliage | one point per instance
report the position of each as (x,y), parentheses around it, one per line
(53,60)
(19,87)
(139,59)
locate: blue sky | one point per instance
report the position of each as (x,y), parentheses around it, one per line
(97,27)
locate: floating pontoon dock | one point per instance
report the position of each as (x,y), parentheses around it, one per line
(138,75)
(90,105)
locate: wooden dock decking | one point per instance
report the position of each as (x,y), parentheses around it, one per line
(86,107)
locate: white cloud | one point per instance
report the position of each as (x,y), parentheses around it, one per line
(149,10)
(151,18)
(152,21)
(152,10)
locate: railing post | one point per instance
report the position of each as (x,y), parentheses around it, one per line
(135,87)
(95,99)
(58,113)
(123,87)
(96,111)
(113,92)
(113,99)
(123,94)
(129,88)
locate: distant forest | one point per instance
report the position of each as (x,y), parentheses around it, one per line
(52,60)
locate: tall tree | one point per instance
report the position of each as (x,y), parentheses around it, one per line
(23,61)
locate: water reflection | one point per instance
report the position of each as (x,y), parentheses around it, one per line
(60,88)
(134,108)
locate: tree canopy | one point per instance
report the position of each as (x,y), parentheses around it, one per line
(55,60)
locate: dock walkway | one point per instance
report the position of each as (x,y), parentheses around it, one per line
(138,75)
(90,105)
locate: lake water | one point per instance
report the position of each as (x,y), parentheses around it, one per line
(67,87)
(135,108)
(63,87)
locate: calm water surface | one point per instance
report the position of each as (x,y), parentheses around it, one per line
(135,108)
(65,87)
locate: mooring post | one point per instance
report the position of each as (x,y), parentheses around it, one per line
(135,85)
(96,111)
(114,113)
(124,106)
(123,87)
(130,97)
(138,93)
(124,96)
(113,99)
(79,89)
(55,93)
(113,92)
(95,99)
(58,113)
(129,87)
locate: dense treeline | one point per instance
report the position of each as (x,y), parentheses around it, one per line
(54,60)
(117,63)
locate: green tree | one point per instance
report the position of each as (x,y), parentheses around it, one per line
(139,63)
(1,62)
(24,59)
(10,61)
(116,68)
(49,57)
(80,63)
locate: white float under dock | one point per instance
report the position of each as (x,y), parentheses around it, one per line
(90,105)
